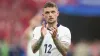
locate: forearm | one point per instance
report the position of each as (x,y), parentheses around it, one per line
(61,47)
(37,45)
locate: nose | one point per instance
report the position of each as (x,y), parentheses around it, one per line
(50,15)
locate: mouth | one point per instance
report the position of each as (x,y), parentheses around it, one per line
(50,18)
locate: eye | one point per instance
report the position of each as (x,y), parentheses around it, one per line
(46,12)
(52,11)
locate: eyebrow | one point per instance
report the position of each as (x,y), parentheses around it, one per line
(47,12)
(53,11)
(50,11)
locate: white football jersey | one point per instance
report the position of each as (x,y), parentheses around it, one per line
(48,48)
(29,49)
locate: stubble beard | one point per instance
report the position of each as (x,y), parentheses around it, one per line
(51,23)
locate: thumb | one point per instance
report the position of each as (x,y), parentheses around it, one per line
(51,32)
(46,25)
(56,29)
(43,24)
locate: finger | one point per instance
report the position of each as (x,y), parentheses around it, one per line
(56,29)
(43,24)
(54,32)
(51,28)
(42,28)
(51,32)
(46,25)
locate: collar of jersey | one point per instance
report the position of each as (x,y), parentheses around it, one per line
(57,26)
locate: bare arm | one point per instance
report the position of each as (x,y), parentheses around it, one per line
(62,47)
(36,46)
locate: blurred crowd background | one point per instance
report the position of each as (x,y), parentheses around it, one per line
(82,17)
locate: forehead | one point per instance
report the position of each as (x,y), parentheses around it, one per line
(50,9)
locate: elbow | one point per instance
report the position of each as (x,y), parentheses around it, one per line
(33,50)
(64,53)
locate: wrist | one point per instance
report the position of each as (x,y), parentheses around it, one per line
(42,36)
(54,38)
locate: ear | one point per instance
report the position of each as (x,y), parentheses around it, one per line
(42,14)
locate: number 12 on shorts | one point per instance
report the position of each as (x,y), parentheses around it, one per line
(48,48)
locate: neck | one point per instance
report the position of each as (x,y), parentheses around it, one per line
(53,24)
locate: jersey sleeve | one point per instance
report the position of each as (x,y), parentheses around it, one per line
(36,33)
(66,38)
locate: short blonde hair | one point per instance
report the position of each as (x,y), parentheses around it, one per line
(50,4)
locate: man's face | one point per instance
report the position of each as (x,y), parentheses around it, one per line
(50,14)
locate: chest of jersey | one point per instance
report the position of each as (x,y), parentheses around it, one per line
(48,47)
(48,44)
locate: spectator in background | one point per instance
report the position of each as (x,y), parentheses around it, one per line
(81,48)
(3,47)
(95,48)
(71,50)
(15,48)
